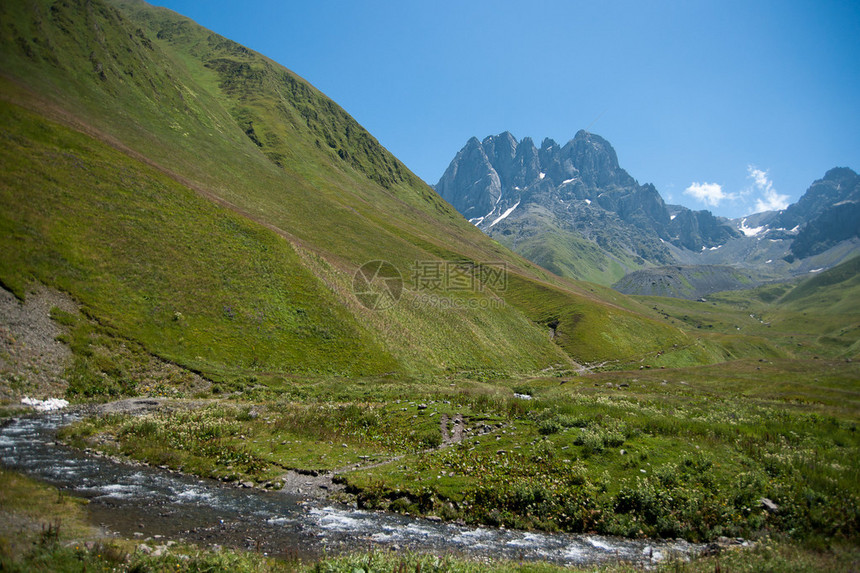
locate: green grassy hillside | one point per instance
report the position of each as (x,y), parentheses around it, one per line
(540,238)
(810,318)
(825,306)
(150,257)
(214,207)
(834,291)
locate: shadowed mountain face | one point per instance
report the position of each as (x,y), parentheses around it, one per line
(575,211)
(827,214)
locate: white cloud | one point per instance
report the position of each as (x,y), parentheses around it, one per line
(759,176)
(709,193)
(770,199)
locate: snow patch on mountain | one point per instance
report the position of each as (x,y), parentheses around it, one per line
(505,214)
(750,231)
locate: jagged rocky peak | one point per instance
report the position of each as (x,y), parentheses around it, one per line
(596,161)
(827,214)
(528,197)
(840,174)
(501,142)
(555,167)
(515,190)
(548,144)
(526,167)
(501,149)
(549,152)
(587,158)
(838,185)
(471,184)
(515,163)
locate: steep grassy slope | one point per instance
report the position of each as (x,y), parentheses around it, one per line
(834,291)
(139,119)
(148,256)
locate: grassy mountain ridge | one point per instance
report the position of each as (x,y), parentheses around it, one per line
(126,267)
(241,130)
(543,240)
(806,319)
(826,306)
(846,276)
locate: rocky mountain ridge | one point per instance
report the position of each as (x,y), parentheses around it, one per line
(488,180)
(817,232)
(574,210)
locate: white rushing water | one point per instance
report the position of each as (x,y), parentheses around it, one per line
(46,405)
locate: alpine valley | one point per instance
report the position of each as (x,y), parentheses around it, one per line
(283,351)
(573,210)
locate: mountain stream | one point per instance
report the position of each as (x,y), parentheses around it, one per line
(138,501)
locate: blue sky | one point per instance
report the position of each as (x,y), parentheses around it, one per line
(725,105)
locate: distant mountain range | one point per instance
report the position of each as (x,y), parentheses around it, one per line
(573,210)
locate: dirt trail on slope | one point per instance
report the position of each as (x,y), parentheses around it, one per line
(456,435)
